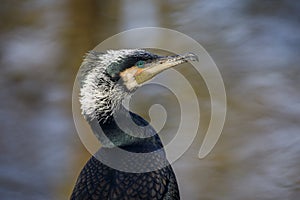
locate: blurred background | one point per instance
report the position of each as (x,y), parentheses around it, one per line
(255,44)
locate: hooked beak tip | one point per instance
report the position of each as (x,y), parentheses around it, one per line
(191,56)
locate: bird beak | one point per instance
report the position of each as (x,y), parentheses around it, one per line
(161,64)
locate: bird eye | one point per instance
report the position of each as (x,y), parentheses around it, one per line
(140,64)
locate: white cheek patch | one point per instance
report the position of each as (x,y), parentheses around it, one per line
(129,79)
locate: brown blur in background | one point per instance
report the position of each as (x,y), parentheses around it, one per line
(255,44)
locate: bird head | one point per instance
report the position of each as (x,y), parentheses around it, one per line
(107,78)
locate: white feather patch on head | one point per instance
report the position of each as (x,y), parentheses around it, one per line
(99,95)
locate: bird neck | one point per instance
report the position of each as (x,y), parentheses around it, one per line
(126,130)
(129,143)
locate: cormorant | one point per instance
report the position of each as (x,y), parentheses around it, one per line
(105,80)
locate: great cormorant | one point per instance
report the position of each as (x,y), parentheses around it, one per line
(105,80)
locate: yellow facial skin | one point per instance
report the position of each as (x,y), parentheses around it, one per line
(136,76)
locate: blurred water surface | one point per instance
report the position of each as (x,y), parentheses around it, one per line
(255,44)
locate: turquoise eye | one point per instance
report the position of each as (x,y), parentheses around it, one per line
(140,64)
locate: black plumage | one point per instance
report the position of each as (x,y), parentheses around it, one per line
(132,163)
(99,181)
